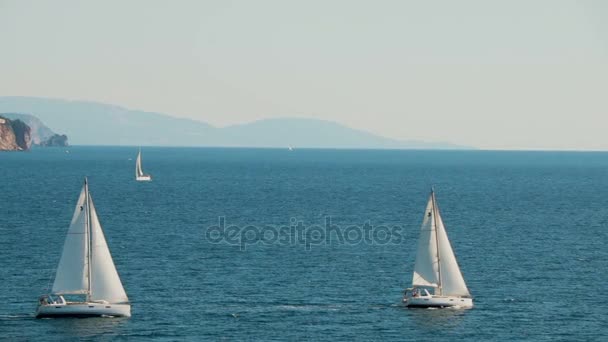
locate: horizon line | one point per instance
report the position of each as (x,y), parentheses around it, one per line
(472,149)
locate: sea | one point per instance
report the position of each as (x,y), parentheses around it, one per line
(312,244)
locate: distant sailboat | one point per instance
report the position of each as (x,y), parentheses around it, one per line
(139,172)
(86,271)
(437,280)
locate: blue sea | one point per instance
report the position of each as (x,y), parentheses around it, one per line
(207,250)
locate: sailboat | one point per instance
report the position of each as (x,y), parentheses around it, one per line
(86,283)
(139,172)
(437,280)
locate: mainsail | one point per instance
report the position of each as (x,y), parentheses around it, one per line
(86,266)
(138,171)
(436,264)
(426,271)
(72,272)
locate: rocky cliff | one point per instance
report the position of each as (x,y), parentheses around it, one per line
(41,134)
(15,135)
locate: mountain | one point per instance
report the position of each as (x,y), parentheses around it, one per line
(90,123)
(312,133)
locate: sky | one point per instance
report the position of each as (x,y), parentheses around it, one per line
(517,74)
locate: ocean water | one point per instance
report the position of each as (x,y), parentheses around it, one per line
(529,230)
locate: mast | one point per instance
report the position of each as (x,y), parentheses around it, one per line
(435,210)
(88,234)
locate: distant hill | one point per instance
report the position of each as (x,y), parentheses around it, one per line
(301,132)
(90,123)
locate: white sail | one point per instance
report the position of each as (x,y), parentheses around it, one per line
(436,264)
(72,272)
(105,282)
(426,267)
(138,171)
(452,282)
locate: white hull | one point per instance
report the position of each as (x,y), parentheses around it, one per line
(143,178)
(83,310)
(437,302)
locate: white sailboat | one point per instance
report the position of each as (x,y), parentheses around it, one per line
(86,283)
(139,172)
(437,280)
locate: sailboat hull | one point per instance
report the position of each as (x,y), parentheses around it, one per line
(83,310)
(143,178)
(437,302)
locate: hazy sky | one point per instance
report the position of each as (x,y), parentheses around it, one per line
(492,74)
